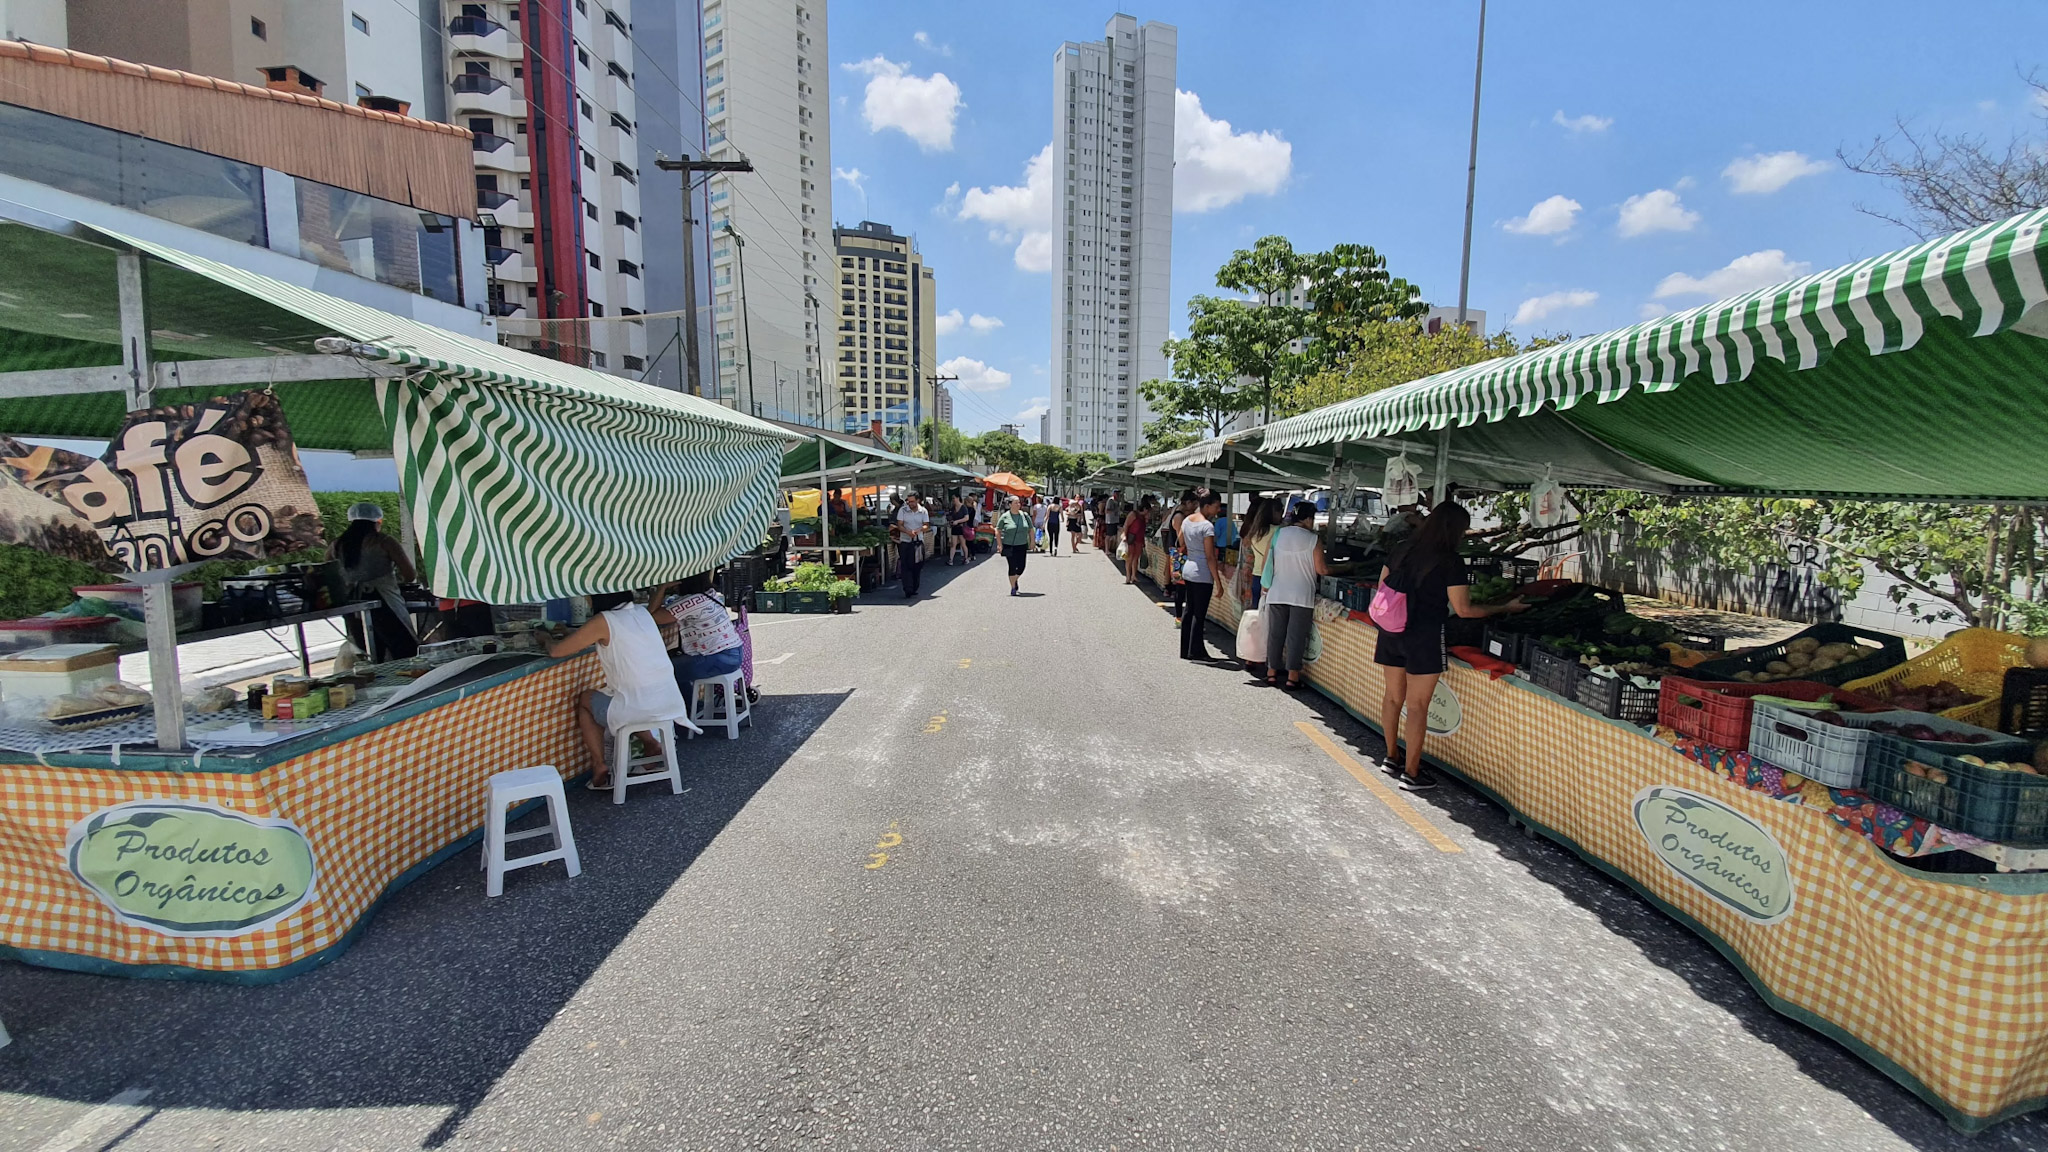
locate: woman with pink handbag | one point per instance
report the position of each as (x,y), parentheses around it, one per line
(1419,589)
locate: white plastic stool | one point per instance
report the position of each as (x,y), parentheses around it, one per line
(509,788)
(736,710)
(664,730)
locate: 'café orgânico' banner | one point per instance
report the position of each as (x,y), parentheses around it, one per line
(180,483)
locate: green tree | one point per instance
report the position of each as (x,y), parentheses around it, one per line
(942,442)
(1376,355)
(1000,450)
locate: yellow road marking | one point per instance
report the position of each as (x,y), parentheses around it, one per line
(879,858)
(966,662)
(1379,789)
(890,839)
(935,725)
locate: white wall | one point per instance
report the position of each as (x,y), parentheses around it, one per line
(37,21)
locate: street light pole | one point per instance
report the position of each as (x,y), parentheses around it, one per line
(694,373)
(1472,169)
(746,322)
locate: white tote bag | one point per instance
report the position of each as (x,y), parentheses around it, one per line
(1251,636)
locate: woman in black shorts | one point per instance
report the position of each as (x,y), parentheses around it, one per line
(1429,572)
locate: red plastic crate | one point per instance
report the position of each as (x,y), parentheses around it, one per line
(1722,717)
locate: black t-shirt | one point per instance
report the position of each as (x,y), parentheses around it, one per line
(1429,599)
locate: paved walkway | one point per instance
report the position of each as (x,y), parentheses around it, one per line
(992,873)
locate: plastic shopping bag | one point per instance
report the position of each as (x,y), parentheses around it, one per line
(1314,651)
(1251,636)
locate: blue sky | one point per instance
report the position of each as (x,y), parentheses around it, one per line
(1696,142)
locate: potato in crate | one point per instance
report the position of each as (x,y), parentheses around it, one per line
(1995,793)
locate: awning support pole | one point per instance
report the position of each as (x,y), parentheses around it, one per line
(159,612)
(1441,492)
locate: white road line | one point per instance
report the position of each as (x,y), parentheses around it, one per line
(777,660)
(123,1110)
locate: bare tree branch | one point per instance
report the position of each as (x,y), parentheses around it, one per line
(1951,181)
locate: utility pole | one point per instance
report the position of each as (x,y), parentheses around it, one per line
(694,374)
(1471,171)
(932,450)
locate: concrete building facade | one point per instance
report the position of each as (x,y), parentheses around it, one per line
(1113,248)
(886,355)
(767,96)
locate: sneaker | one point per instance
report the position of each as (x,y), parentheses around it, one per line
(1390,766)
(1421,782)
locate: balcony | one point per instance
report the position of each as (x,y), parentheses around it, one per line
(499,154)
(504,208)
(486,95)
(483,36)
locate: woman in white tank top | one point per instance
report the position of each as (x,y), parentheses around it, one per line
(639,684)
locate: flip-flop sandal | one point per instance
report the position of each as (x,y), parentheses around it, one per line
(594,786)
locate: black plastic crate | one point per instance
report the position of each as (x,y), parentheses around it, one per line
(1619,698)
(1999,805)
(1891,653)
(1460,632)
(2023,703)
(1502,644)
(1554,671)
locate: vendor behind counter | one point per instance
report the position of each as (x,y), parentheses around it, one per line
(373,565)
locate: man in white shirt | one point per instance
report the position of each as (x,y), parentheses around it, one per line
(913,525)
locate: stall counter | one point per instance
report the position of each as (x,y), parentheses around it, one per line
(254,868)
(1935,979)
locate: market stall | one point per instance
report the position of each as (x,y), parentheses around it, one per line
(202,838)
(1916,375)
(828,460)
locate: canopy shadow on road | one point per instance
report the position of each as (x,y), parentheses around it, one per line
(1668,944)
(441,994)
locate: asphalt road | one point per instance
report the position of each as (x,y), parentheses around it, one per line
(991,873)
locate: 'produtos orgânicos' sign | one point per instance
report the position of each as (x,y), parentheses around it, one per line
(1735,859)
(184,868)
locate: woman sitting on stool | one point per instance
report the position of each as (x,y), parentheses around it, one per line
(631,652)
(708,643)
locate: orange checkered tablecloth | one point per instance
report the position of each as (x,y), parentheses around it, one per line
(1938,981)
(374,807)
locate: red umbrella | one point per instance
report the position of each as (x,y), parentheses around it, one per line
(1008,482)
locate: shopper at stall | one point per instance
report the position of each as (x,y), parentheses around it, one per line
(1260,525)
(1134,542)
(960,526)
(1014,529)
(639,684)
(373,565)
(1176,553)
(708,643)
(1289,608)
(910,531)
(1430,579)
(1198,571)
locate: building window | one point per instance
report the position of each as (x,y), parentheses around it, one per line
(590,209)
(634,363)
(258,29)
(583,57)
(590,161)
(362,93)
(626,221)
(584,107)
(360,24)
(624,173)
(597,360)
(596,309)
(629,268)
(593,258)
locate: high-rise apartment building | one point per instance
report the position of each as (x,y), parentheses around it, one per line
(767,96)
(942,405)
(886,356)
(545,86)
(668,42)
(1113,251)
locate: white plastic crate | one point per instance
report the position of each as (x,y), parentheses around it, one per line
(1794,741)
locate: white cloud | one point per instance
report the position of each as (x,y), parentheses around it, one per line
(1658,211)
(1770,171)
(1021,214)
(1040,405)
(1742,274)
(953,321)
(1548,218)
(852,176)
(1537,307)
(1652,311)
(1214,167)
(921,107)
(1586,123)
(974,375)
(924,41)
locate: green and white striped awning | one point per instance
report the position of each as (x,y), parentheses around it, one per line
(1919,373)
(529,478)
(849,460)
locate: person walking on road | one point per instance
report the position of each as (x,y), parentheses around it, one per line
(1290,604)
(1432,580)
(960,520)
(1198,571)
(1037,521)
(1014,529)
(1077,524)
(913,524)
(1052,528)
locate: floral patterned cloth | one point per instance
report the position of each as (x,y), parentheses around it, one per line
(1899,833)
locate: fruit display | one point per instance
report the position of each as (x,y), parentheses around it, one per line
(1937,697)
(1806,655)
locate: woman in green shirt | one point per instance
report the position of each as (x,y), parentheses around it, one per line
(1014,527)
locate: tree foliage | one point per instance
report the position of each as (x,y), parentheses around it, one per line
(1950,181)
(1380,355)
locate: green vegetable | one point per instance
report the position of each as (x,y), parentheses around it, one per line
(32,583)
(843,589)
